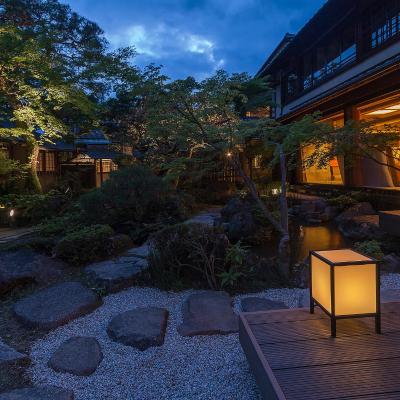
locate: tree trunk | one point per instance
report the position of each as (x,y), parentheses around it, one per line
(34,155)
(284,255)
(281,226)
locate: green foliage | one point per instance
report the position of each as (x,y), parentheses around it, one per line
(34,208)
(12,174)
(61,225)
(342,201)
(371,248)
(193,255)
(132,194)
(85,245)
(235,259)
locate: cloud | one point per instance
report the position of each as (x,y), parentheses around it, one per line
(162,42)
(196,37)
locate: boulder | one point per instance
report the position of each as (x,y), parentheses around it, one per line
(114,275)
(208,313)
(362,227)
(390,263)
(242,225)
(78,356)
(355,211)
(140,328)
(8,355)
(56,305)
(140,252)
(234,206)
(253,304)
(39,393)
(25,266)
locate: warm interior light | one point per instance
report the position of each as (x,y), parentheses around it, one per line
(382,112)
(395,107)
(229,154)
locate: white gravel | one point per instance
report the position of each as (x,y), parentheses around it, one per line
(203,367)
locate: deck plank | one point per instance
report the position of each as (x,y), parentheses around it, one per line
(305,363)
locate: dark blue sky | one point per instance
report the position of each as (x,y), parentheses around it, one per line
(196,37)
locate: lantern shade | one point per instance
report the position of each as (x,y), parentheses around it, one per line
(344,284)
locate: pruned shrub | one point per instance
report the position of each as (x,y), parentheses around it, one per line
(86,244)
(371,248)
(133,194)
(34,208)
(194,255)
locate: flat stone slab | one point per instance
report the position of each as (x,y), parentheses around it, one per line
(254,304)
(42,393)
(208,313)
(25,266)
(78,356)
(8,355)
(117,274)
(56,305)
(141,252)
(140,328)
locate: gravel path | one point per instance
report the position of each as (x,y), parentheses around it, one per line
(212,367)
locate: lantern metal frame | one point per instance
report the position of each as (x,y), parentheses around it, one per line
(331,314)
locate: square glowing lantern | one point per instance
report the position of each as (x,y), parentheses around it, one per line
(345,284)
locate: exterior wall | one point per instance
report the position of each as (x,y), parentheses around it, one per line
(337,81)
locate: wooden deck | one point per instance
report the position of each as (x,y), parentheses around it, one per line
(293,356)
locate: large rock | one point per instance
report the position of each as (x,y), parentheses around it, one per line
(234,206)
(253,304)
(363,227)
(56,305)
(25,266)
(141,328)
(140,252)
(241,226)
(78,356)
(42,393)
(356,211)
(8,355)
(114,275)
(208,313)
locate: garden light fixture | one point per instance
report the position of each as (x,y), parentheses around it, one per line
(345,284)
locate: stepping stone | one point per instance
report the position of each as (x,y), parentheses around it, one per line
(208,313)
(115,275)
(78,356)
(56,305)
(141,252)
(8,355)
(141,328)
(42,393)
(253,304)
(25,266)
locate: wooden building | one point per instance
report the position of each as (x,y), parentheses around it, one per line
(344,63)
(89,157)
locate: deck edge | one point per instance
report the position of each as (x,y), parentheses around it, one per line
(270,388)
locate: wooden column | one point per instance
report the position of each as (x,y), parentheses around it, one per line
(353,169)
